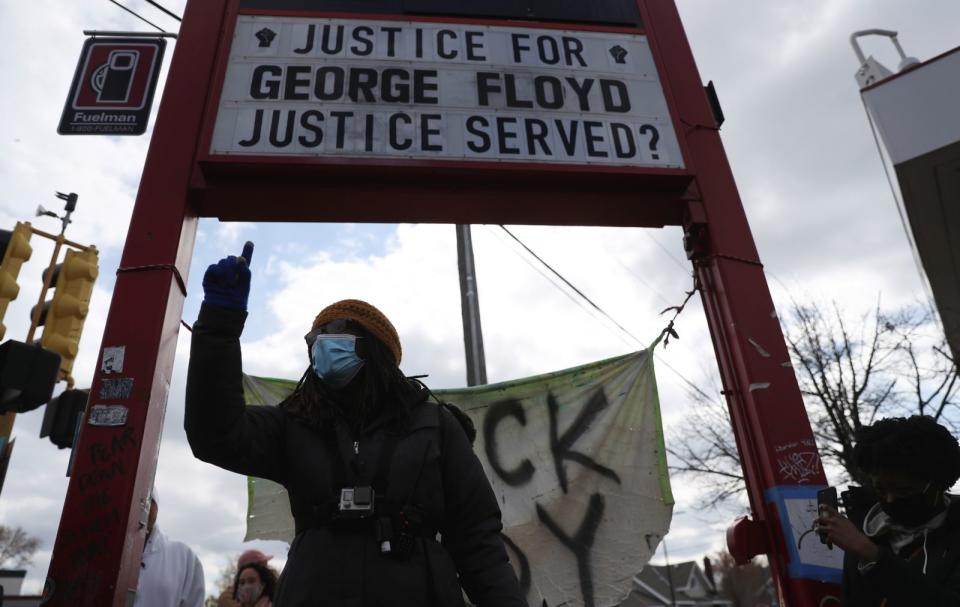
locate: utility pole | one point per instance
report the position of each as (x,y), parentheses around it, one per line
(470,308)
(666,557)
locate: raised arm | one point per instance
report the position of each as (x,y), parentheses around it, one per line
(221,429)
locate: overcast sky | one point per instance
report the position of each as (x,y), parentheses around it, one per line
(798,140)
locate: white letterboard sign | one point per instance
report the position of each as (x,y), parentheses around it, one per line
(352,88)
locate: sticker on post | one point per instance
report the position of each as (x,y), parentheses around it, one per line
(808,557)
(108,415)
(112,361)
(116,389)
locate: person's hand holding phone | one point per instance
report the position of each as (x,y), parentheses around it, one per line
(834,528)
(826,497)
(227,282)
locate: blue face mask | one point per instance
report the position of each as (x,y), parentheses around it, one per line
(335,359)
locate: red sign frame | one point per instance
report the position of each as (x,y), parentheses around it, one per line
(483,191)
(96,556)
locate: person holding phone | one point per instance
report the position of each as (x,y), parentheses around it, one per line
(391,505)
(907,552)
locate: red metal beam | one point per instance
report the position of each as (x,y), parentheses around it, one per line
(766,407)
(96,556)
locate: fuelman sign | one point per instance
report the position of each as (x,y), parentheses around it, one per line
(302,87)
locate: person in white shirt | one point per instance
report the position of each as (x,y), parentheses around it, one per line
(170,573)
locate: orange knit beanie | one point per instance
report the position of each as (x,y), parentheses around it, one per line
(372,319)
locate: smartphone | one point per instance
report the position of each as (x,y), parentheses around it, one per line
(827,496)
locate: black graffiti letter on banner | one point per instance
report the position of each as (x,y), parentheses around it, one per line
(497,413)
(560,446)
(581,542)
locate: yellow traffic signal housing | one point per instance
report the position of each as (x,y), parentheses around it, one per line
(16,250)
(68,308)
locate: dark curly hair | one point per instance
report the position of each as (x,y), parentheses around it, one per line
(267,576)
(316,406)
(916,446)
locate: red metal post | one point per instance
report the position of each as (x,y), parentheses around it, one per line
(96,557)
(769,418)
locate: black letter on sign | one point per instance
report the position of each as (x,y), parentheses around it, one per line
(336,47)
(275,139)
(487,82)
(473,124)
(623,140)
(295,82)
(362,35)
(422,86)
(499,411)
(426,132)
(581,542)
(368,136)
(395,141)
(622,104)
(266,89)
(442,51)
(320,84)
(560,446)
(305,122)
(308,45)
(522,561)
(341,128)
(255,136)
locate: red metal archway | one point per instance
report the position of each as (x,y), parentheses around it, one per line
(97,552)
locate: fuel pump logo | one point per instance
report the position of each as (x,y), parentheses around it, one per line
(113,86)
(113,80)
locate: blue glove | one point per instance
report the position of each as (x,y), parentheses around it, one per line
(227,283)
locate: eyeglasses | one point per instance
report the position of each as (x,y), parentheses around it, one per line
(340,326)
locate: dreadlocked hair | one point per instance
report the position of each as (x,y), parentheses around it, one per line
(916,446)
(380,383)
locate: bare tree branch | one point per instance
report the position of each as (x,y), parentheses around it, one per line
(890,363)
(17,547)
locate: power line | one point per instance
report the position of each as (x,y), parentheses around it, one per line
(150,23)
(690,384)
(570,284)
(566,293)
(666,250)
(151,2)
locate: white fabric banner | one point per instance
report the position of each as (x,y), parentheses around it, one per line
(577,461)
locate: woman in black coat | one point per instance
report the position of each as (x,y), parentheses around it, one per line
(391,505)
(907,551)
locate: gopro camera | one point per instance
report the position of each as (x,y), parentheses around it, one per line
(356,502)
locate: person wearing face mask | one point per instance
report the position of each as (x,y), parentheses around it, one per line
(391,506)
(907,552)
(254,584)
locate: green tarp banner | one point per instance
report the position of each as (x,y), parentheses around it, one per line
(576,458)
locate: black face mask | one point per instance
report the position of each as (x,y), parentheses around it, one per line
(913,510)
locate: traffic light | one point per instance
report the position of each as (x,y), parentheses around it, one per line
(62,317)
(61,416)
(16,250)
(27,376)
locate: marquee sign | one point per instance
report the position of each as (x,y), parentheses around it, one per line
(371,89)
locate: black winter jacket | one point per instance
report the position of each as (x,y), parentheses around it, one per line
(326,566)
(897,580)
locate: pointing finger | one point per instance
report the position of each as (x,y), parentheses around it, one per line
(247,254)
